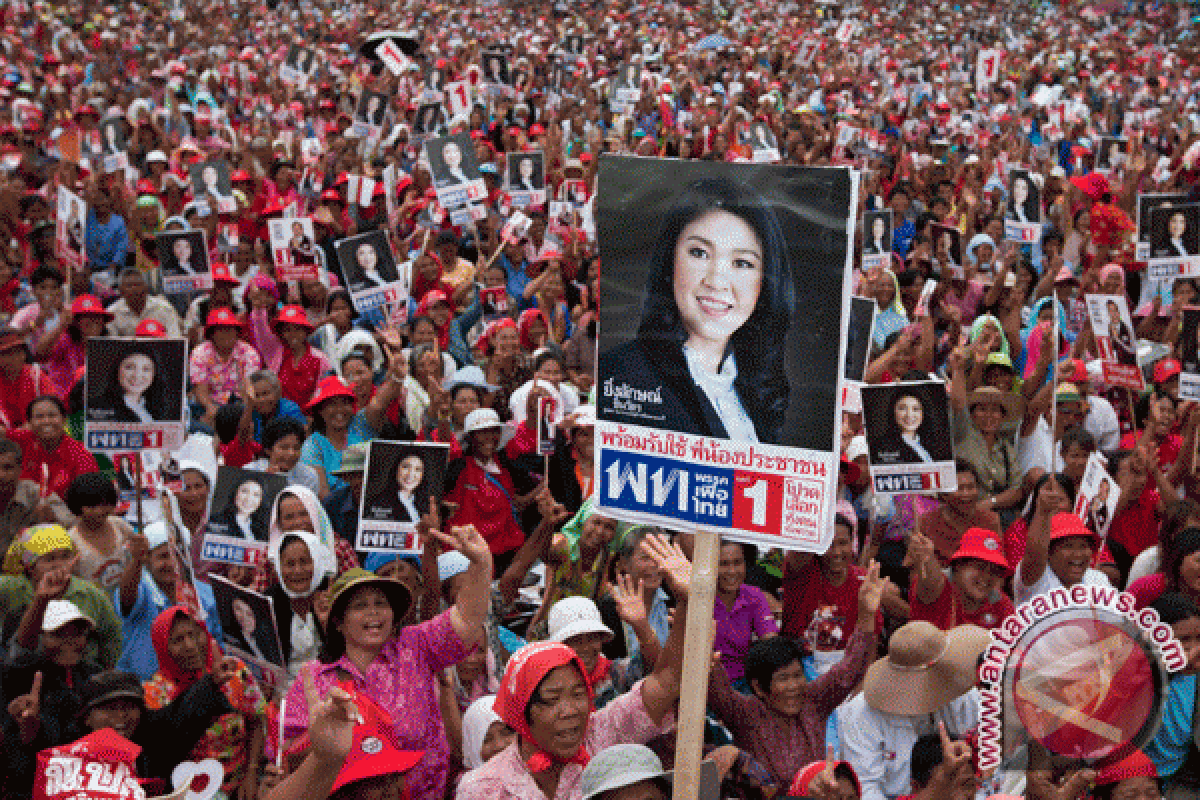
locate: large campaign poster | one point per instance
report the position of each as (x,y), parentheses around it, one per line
(134,394)
(720,346)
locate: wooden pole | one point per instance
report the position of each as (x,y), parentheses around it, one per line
(137,482)
(693,699)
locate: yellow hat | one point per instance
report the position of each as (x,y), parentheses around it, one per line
(35,542)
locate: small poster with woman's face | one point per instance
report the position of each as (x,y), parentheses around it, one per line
(249,628)
(1116,340)
(455,172)
(371,111)
(212,184)
(762,142)
(369,266)
(402,479)
(298,66)
(1096,502)
(910,444)
(876,239)
(135,394)
(113,144)
(294,248)
(625,88)
(1174,240)
(548,414)
(1023,210)
(239,520)
(1114,152)
(1146,203)
(183,260)
(428,119)
(69,229)
(526,178)
(947,249)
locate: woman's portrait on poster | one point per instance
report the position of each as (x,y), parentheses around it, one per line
(716,310)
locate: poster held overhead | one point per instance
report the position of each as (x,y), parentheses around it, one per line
(400,480)
(135,394)
(1116,340)
(910,440)
(699,425)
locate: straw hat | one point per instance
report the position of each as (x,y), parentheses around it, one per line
(925,668)
(1011,403)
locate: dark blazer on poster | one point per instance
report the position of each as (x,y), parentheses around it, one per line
(228,518)
(685,407)
(109,410)
(283,615)
(894,450)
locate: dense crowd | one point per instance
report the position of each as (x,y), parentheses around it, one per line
(533,647)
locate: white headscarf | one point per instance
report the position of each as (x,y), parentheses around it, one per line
(324,562)
(352,340)
(476,721)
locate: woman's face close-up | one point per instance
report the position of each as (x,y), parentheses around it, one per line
(244,616)
(1177,225)
(136,373)
(878,227)
(365,255)
(451,155)
(368,618)
(293,516)
(248,498)
(909,414)
(409,473)
(718,275)
(559,711)
(296,566)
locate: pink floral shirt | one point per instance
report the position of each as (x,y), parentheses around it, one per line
(403,681)
(623,721)
(223,376)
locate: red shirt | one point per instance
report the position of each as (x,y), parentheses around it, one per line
(947,612)
(54,469)
(1168,448)
(299,379)
(482,503)
(816,610)
(239,453)
(15,396)
(1136,527)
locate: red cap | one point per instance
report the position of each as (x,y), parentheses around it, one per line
(536,130)
(1065,525)
(89,304)
(221,317)
(981,544)
(86,110)
(1135,765)
(1074,371)
(373,749)
(1166,369)
(239,175)
(585,157)
(331,194)
(330,387)
(292,315)
(274,207)
(221,274)
(151,329)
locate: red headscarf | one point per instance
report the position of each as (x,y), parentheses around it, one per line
(493,327)
(525,671)
(525,322)
(431,297)
(160,632)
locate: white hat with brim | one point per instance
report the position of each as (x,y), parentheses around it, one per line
(482,419)
(575,616)
(619,766)
(63,612)
(925,668)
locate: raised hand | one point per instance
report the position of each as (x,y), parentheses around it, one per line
(870,593)
(54,582)
(825,785)
(331,721)
(26,708)
(225,669)
(671,561)
(628,596)
(466,540)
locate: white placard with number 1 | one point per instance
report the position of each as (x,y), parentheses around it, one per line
(458,98)
(987,68)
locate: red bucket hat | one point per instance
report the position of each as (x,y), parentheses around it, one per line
(89,304)
(221,274)
(1065,525)
(292,315)
(151,329)
(330,387)
(983,545)
(221,317)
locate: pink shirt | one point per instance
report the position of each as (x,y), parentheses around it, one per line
(402,680)
(623,721)
(223,377)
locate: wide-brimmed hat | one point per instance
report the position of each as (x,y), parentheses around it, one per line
(89,304)
(1064,525)
(619,766)
(346,584)
(1011,403)
(111,685)
(925,668)
(468,376)
(482,419)
(221,318)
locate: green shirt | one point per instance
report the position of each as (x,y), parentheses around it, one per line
(997,465)
(104,642)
